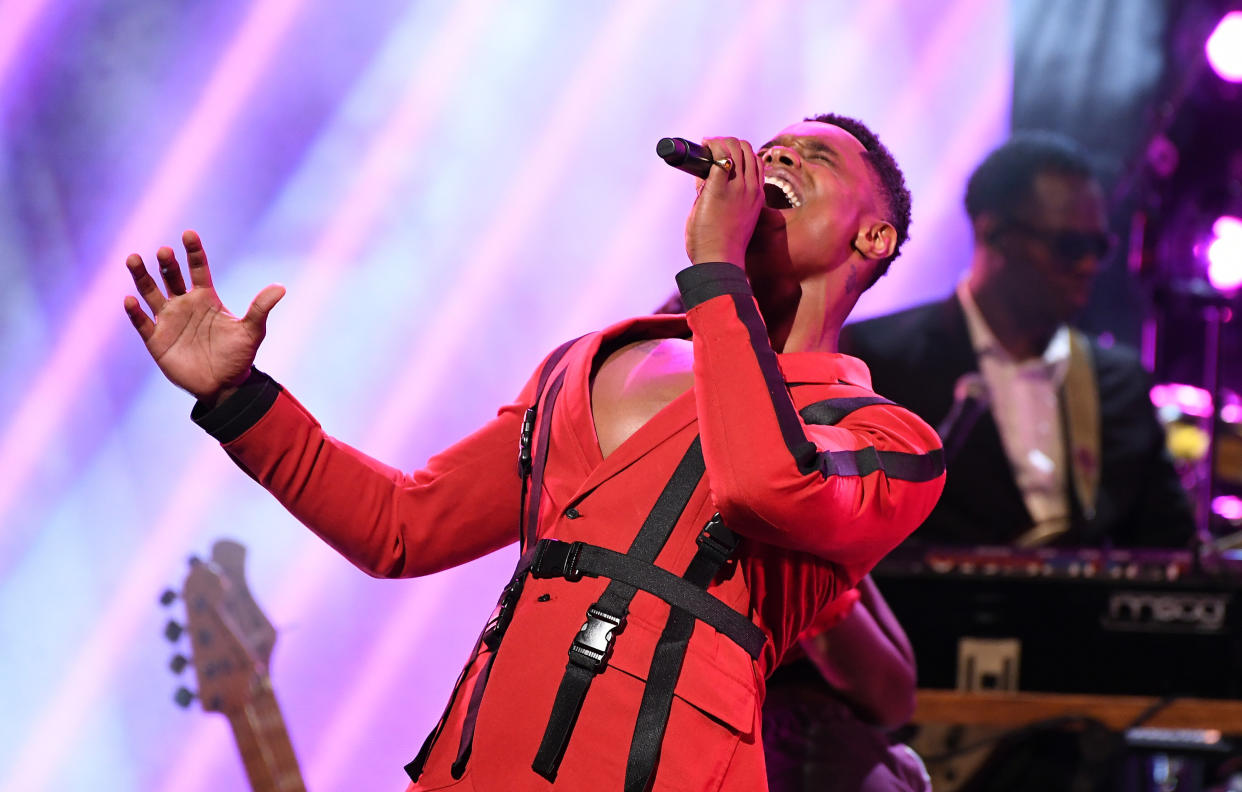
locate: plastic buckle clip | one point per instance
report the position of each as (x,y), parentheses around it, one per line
(592,646)
(570,568)
(721,547)
(554,558)
(526,443)
(503,613)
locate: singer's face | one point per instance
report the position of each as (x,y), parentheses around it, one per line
(820,192)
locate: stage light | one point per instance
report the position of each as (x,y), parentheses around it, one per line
(1228,506)
(1174,400)
(1224,254)
(1224,47)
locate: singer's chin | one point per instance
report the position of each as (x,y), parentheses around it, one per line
(767,255)
(770,218)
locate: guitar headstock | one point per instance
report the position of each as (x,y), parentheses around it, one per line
(230,637)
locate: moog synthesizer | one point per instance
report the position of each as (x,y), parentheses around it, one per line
(1137,622)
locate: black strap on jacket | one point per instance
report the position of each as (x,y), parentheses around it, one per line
(591,648)
(489,639)
(575,560)
(716,544)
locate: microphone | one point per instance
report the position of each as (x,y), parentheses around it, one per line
(690,157)
(970,399)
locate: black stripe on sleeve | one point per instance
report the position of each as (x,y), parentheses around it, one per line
(802,450)
(829,412)
(894,464)
(230,419)
(702,282)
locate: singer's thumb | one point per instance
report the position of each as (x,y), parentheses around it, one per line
(263,303)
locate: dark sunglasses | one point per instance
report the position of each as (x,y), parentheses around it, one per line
(1069,245)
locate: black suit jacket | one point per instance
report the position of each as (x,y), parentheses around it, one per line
(916,357)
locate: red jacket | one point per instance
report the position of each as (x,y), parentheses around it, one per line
(814,512)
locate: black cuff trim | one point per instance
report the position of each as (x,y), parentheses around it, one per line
(230,419)
(701,282)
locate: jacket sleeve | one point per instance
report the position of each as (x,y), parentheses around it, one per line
(848,492)
(462,505)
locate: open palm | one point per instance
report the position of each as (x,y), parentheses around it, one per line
(192,337)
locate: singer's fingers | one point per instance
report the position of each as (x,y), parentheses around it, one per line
(723,148)
(141,322)
(256,315)
(170,271)
(200,273)
(144,283)
(752,172)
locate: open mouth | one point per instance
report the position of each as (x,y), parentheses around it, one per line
(780,194)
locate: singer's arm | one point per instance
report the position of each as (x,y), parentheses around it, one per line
(868,660)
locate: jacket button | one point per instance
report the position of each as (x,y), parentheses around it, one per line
(572,513)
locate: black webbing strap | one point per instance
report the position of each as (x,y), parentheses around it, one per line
(591,648)
(716,544)
(526,465)
(504,611)
(490,640)
(499,621)
(573,560)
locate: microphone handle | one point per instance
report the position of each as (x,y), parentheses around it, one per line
(686,156)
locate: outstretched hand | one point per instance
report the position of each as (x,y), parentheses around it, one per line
(192,337)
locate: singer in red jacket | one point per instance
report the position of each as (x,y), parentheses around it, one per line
(686,501)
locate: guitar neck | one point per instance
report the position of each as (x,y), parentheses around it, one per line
(264,743)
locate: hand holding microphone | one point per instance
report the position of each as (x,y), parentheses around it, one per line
(690,157)
(724,214)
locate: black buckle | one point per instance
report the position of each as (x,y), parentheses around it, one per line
(526,442)
(592,646)
(554,558)
(503,613)
(717,540)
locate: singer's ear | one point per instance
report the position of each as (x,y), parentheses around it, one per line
(876,241)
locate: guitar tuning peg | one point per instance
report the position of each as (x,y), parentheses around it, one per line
(168,597)
(183,697)
(178,663)
(173,630)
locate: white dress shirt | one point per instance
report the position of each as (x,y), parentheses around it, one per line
(1024,404)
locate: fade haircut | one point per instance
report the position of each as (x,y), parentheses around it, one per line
(891,181)
(1004,182)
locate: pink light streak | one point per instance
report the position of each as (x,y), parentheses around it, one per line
(96,317)
(1224,47)
(19,17)
(432,79)
(479,282)
(946,43)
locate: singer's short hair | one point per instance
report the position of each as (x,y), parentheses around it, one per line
(892,182)
(1005,181)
